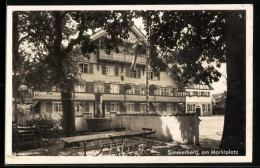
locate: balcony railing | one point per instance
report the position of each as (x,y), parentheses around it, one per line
(108,97)
(121,57)
(57,95)
(49,95)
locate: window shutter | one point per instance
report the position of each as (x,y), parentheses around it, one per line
(107,88)
(49,107)
(139,73)
(116,71)
(91,87)
(158,77)
(103,69)
(91,68)
(127,72)
(87,88)
(108,107)
(137,107)
(208,107)
(87,107)
(164,107)
(121,89)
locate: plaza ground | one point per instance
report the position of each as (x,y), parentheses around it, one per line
(210,131)
(211,128)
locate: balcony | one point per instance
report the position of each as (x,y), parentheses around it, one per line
(107,97)
(119,57)
(46,95)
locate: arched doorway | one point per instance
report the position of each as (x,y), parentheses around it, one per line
(198,110)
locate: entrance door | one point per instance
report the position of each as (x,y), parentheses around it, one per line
(198,111)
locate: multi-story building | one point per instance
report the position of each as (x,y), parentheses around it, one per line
(122,91)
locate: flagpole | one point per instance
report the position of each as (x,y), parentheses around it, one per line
(148,70)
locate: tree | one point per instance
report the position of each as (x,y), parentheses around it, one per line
(192,44)
(50,43)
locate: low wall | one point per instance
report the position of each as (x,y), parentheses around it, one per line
(178,128)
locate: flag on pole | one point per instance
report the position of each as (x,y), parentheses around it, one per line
(133,65)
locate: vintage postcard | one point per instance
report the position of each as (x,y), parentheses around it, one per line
(102,84)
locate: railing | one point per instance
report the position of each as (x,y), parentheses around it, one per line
(121,57)
(91,96)
(39,94)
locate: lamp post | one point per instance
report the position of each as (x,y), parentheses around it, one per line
(22,89)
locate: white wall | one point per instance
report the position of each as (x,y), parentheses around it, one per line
(177,128)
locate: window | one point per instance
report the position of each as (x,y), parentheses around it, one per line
(170,107)
(83,68)
(110,70)
(195,93)
(99,87)
(205,107)
(114,88)
(203,94)
(142,107)
(137,90)
(90,87)
(132,90)
(79,88)
(191,107)
(163,91)
(168,92)
(152,76)
(77,107)
(130,107)
(114,107)
(157,92)
(133,74)
(57,107)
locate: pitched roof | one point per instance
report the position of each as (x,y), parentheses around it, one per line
(199,86)
(134,28)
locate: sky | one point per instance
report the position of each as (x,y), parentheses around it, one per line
(220,86)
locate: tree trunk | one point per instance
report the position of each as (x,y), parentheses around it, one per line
(235,115)
(69,127)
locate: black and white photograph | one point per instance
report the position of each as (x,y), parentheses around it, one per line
(129,84)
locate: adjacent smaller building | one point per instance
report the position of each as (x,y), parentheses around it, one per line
(198,99)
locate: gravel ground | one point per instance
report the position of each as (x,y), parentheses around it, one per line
(211,129)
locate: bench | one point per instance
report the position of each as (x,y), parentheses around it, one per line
(27,136)
(35,135)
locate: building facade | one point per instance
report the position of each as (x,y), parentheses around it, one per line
(198,99)
(108,86)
